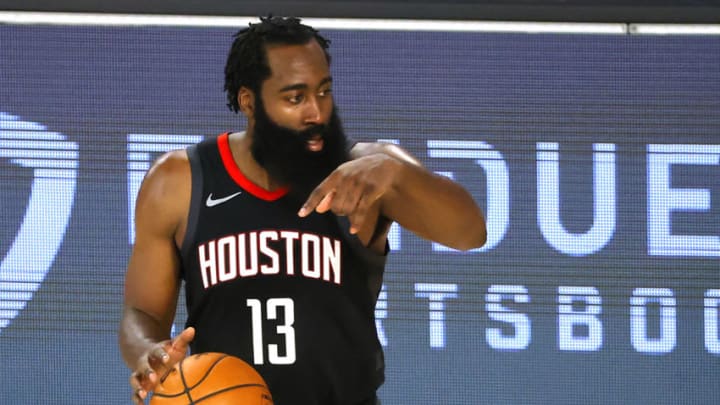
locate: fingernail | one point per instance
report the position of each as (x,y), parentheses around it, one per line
(302,212)
(353,230)
(165,358)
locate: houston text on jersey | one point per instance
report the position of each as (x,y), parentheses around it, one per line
(240,255)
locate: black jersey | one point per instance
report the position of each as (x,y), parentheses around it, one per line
(294,297)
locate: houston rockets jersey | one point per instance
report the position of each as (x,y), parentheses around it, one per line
(294,297)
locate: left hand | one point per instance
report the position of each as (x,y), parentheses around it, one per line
(353,188)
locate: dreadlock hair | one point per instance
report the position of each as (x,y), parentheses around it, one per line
(247,61)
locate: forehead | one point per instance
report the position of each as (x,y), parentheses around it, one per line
(292,64)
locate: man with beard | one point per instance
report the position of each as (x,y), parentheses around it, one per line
(279,232)
(285,155)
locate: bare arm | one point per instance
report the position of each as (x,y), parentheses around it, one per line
(431,206)
(383,179)
(151,282)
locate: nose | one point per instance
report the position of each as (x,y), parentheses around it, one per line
(312,114)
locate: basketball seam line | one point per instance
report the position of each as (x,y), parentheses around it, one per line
(209,395)
(182,377)
(225,390)
(187,389)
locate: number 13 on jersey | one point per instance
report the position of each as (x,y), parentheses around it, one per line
(273,307)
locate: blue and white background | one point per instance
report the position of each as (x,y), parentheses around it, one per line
(595,157)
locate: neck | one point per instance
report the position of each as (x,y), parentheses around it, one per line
(240,147)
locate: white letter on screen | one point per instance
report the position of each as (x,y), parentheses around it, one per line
(436,294)
(568,318)
(665,343)
(548,200)
(712,338)
(381,314)
(497,312)
(663,200)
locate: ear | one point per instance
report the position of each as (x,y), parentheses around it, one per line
(246,101)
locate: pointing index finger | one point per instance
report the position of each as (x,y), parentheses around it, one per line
(320,199)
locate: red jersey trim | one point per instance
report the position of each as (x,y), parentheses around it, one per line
(239,178)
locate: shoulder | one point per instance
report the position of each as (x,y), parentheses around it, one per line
(165,191)
(170,169)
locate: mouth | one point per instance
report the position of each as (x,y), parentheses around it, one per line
(315,144)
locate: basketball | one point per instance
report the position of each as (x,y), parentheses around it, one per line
(212,379)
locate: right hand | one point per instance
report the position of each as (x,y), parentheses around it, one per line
(155,362)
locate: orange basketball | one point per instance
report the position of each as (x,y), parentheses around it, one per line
(212,379)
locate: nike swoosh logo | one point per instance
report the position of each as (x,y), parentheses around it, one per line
(211,202)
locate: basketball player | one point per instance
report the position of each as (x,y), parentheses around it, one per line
(279,232)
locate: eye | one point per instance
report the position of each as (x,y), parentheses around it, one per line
(295,98)
(325,92)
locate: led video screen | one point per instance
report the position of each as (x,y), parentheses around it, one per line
(596,159)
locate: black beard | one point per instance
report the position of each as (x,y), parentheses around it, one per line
(283,152)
